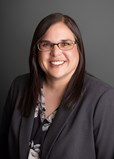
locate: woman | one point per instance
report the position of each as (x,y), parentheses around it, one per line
(58,110)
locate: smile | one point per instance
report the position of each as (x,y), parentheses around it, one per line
(57,62)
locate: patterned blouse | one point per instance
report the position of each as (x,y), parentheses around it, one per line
(40,128)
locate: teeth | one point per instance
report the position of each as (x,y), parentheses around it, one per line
(57,62)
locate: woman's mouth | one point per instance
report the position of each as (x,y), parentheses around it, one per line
(57,62)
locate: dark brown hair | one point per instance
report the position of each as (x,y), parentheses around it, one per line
(75,85)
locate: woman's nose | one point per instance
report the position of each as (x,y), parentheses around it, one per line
(55,51)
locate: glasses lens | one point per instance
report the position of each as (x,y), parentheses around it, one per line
(66,45)
(44,46)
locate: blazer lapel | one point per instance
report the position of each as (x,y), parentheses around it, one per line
(25,134)
(55,129)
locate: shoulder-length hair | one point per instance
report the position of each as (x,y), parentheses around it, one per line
(75,85)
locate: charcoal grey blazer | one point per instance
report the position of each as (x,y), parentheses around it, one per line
(84,132)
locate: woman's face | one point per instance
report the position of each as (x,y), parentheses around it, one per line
(58,64)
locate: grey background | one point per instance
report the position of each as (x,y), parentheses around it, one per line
(19,18)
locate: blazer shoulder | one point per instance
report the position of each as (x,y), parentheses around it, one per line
(93,84)
(21,80)
(19,84)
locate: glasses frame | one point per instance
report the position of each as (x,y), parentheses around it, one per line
(58,44)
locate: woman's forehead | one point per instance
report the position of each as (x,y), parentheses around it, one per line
(58,31)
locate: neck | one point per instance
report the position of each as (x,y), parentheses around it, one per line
(55,84)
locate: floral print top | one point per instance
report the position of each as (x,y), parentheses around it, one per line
(40,128)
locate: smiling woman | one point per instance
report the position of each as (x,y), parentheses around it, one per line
(58,110)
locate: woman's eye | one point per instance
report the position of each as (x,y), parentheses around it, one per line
(65,44)
(45,44)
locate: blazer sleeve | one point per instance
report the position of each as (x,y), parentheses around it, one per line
(5,122)
(104,126)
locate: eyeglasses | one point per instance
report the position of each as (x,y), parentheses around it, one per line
(64,45)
